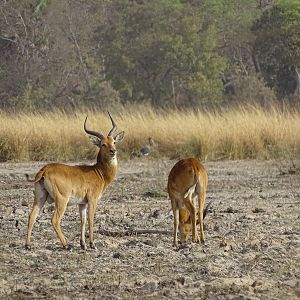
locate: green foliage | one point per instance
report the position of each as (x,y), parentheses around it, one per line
(164,52)
(233,19)
(31,99)
(290,8)
(252,90)
(151,45)
(100,94)
(278,45)
(41,4)
(238,14)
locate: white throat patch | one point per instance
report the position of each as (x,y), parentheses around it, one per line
(114,161)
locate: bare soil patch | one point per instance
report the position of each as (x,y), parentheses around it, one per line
(252,238)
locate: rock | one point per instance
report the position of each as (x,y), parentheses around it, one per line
(256,283)
(19,211)
(230,210)
(156,214)
(265,243)
(233,284)
(239,297)
(216,227)
(131,243)
(250,256)
(184,248)
(118,255)
(293,283)
(149,287)
(24,203)
(150,243)
(88,287)
(250,217)
(181,280)
(258,210)
(255,244)
(227,245)
(199,255)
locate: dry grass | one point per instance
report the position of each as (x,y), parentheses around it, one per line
(234,134)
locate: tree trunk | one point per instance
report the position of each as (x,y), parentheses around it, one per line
(297,90)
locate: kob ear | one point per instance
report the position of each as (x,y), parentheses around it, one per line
(119,137)
(95,141)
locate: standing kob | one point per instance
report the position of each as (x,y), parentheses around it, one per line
(59,182)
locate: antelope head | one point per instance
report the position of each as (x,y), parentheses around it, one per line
(185,226)
(106,144)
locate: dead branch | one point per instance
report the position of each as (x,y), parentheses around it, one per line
(132,232)
(24,25)
(73,38)
(286,203)
(297,89)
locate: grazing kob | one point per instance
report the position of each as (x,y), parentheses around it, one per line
(187,183)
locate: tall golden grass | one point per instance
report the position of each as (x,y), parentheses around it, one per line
(244,132)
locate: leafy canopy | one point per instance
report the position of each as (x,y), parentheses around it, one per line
(160,50)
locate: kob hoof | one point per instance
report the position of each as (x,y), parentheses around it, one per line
(93,246)
(67,247)
(83,245)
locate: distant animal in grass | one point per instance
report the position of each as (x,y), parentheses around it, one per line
(148,148)
(145,150)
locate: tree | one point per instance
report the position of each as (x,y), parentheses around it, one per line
(47,55)
(160,50)
(277,45)
(234,19)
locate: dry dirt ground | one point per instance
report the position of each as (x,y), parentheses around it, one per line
(252,238)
